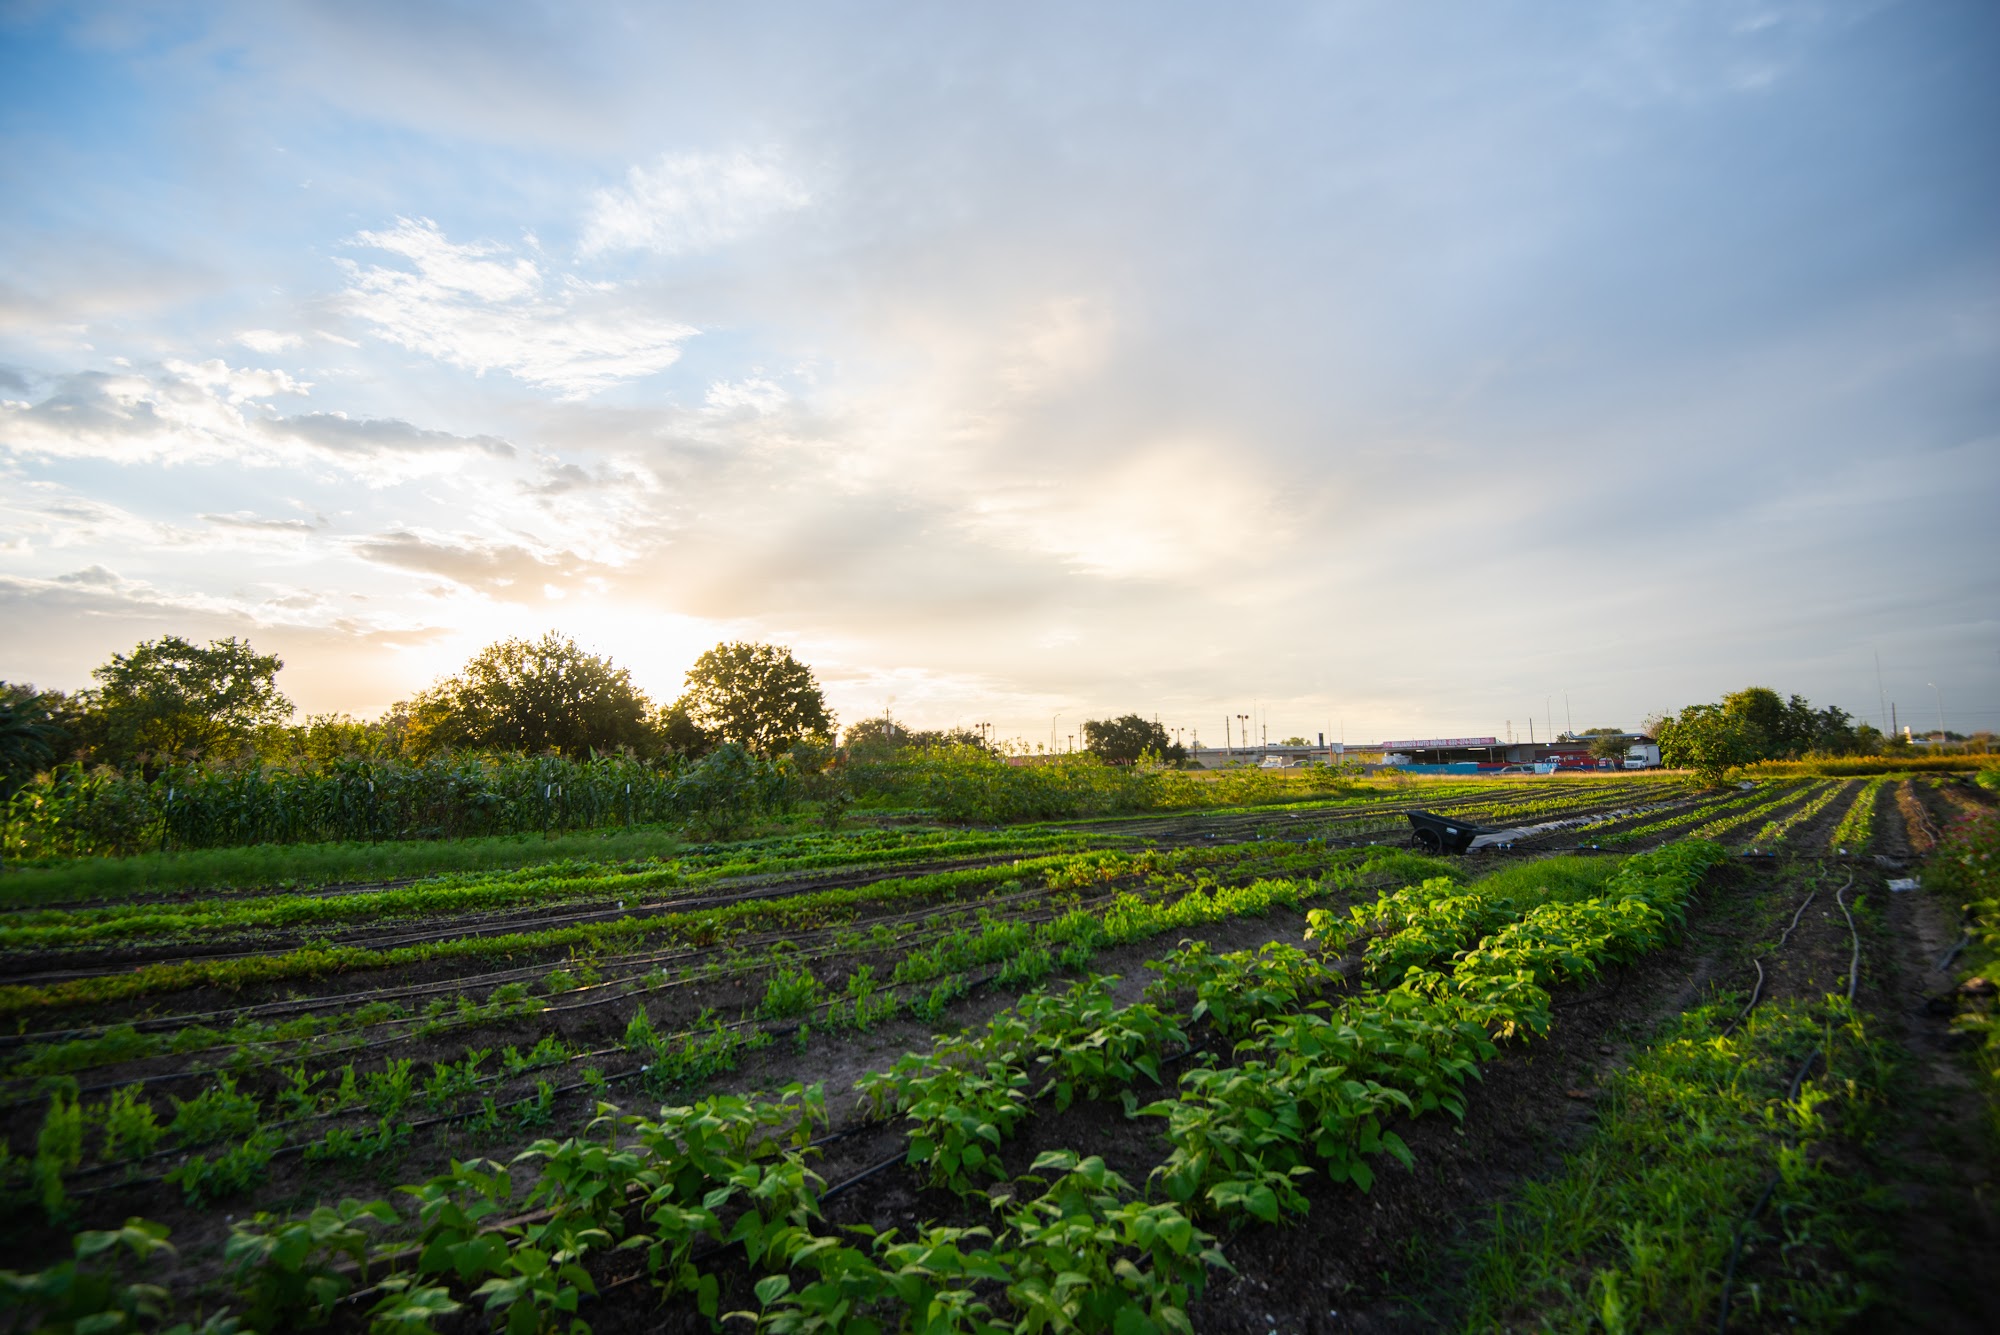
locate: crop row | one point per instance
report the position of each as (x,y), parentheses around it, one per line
(1699,815)
(448,895)
(1736,820)
(1085,1249)
(709,926)
(1775,831)
(1857,828)
(1637,1230)
(1024,952)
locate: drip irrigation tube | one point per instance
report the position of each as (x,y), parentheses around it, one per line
(1757,993)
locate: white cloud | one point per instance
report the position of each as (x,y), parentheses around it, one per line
(209,412)
(236,384)
(268,341)
(483,308)
(757,394)
(690,202)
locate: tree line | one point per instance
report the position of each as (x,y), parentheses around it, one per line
(1755,724)
(172,702)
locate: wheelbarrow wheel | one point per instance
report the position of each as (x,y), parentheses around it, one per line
(1429,841)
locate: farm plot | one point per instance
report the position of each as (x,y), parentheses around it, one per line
(1160,1063)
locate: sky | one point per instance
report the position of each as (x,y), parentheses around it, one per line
(1374,370)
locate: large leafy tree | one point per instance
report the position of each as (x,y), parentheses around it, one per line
(531,696)
(756,695)
(1606,744)
(170,699)
(31,737)
(1790,727)
(1124,740)
(1709,740)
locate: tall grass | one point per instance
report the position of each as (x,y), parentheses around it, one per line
(1847,767)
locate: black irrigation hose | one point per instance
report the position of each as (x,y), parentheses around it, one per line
(1757,993)
(1798,1080)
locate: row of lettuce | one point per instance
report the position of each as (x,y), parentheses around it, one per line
(1289,1088)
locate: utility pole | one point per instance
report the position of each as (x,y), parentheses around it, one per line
(1226,743)
(1940,703)
(1881,695)
(1244,720)
(1568,717)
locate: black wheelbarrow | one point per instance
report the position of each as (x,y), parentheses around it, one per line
(1440,834)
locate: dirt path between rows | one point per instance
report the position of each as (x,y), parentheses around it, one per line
(1937,1157)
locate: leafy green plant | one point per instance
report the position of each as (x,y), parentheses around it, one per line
(961,1117)
(1636,1230)
(297,1098)
(58,1149)
(451,1081)
(131,1128)
(537,1111)
(341,1144)
(287,1270)
(408,1307)
(87,1295)
(390,1090)
(792,990)
(1086,1257)
(1090,1045)
(217,1113)
(204,1180)
(1236,990)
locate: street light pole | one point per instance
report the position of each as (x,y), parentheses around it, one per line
(1940,705)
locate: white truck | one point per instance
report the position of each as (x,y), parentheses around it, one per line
(1642,755)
